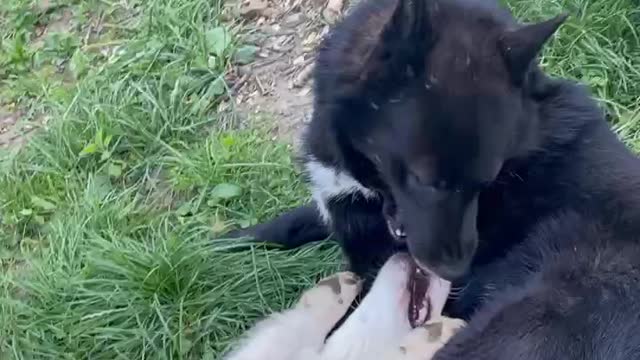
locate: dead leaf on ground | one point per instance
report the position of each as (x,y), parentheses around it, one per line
(333,11)
(254,8)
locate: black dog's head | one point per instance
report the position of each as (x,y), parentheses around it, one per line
(432,97)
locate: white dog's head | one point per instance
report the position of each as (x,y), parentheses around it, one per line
(402,299)
(405,294)
(400,317)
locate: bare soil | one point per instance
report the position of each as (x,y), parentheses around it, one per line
(272,90)
(276,87)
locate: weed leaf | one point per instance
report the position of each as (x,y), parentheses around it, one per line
(218,40)
(226,191)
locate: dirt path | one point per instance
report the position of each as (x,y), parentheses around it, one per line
(16,126)
(13,132)
(274,88)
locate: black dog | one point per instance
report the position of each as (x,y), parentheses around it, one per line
(434,129)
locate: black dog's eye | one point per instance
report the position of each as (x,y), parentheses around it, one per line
(442,185)
(421,182)
(414,179)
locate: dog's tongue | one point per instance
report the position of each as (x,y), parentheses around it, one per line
(428,295)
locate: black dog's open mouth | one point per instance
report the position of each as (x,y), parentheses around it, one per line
(395,227)
(419,305)
(396,231)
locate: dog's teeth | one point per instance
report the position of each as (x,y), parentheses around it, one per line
(422,314)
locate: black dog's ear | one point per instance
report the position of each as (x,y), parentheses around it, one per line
(410,31)
(402,44)
(520,46)
(411,18)
(379,40)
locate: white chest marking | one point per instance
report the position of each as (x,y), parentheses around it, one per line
(327,184)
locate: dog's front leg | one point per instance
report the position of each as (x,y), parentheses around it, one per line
(360,228)
(289,230)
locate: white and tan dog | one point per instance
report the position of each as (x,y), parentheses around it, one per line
(380,328)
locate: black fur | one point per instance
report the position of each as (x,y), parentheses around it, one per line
(570,291)
(508,181)
(290,230)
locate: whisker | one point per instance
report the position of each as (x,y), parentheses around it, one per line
(456,292)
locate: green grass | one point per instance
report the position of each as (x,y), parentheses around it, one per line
(107,215)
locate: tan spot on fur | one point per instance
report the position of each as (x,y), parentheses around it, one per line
(435,331)
(332,282)
(350,280)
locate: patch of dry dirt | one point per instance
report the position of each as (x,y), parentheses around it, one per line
(274,88)
(277,86)
(15,126)
(13,132)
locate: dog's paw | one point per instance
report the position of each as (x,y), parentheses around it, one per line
(447,328)
(423,342)
(332,296)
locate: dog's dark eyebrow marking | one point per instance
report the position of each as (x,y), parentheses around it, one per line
(333,283)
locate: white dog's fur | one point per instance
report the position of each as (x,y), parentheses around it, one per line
(377,329)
